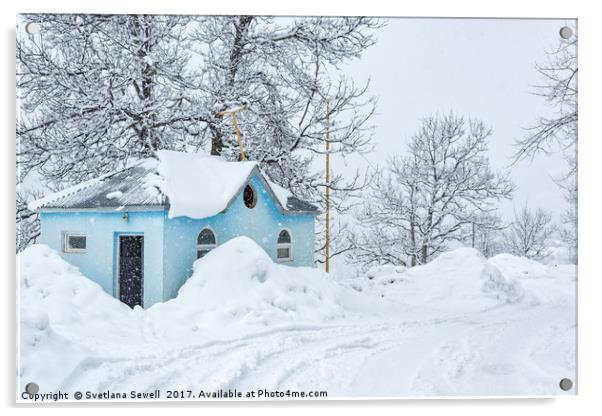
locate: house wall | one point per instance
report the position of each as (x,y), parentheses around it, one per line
(102,229)
(261,223)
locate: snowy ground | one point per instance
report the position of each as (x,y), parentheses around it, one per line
(461,325)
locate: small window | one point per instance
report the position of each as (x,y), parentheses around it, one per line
(284,248)
(205,242)
(74,243)
(249,197)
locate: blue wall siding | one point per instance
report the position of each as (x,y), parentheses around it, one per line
(102,229)
(261,223)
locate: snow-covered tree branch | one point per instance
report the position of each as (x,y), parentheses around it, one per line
(559,131)
(97,91)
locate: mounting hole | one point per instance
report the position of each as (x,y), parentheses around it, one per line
(32,388)
(32,28)
(249,196)
(566,384)
(566,32)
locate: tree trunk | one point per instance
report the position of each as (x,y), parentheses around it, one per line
(241,27)
(413,259)
(424,251)
(217,144)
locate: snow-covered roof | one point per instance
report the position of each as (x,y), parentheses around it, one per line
(191,185)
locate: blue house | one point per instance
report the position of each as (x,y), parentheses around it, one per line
(137,232)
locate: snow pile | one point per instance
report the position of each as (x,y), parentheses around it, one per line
(386,274)
(460,279)
(515,267)
(545,284)
(451,327)
(51,285)
(199,186)
(238,283)
(56,298)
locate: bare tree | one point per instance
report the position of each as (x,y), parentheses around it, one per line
(435,193)
(529,234)
(559,131)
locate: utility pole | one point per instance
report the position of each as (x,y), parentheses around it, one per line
(473,234)
(236,129)
(327,186)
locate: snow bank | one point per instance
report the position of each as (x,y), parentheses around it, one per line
(199,186)
(461,279)
(545,284)
(519,267)
(242,321)
(385,274)
(56,298)
(50,285)
(238,283)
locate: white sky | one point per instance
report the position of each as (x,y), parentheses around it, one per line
(482,68)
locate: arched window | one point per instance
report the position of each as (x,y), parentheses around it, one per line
(284,248)
(205,242)
(249,196)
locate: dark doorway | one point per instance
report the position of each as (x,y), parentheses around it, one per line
(130,269)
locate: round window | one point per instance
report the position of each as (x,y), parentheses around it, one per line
(249,197)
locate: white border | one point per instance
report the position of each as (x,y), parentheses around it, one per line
(590,286)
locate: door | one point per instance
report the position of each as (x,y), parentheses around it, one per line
(131,272)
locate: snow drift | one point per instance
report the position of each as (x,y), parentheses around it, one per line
(460,279)
(238,282)
(57,304)
(544,284)
(241,321)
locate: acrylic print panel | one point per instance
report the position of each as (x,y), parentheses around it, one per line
(251,207)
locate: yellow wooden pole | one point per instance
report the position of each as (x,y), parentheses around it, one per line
(236,129)
(238,136)
(327,187)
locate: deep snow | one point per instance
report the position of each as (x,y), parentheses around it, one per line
(461,325)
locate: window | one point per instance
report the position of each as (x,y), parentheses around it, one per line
(205,242)
(249,197)
(284,248)
(74,243)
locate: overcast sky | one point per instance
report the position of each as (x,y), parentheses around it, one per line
(482,68)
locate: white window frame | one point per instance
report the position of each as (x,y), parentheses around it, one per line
(289,246)
(67,249)
(208,247)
